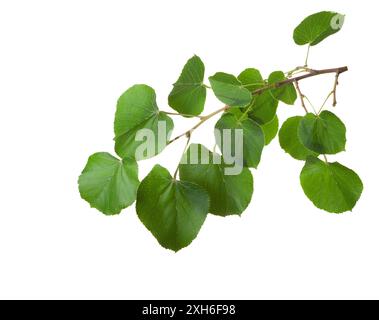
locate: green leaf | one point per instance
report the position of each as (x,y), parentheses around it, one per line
(229,90)
(252,135)
(263,106)
(317,27)
(137,109)
(229,194)
(330,186)
(290,142)
(252,79)
(270,130)
(323,134)
(189,93)
(109,184)
(172,210)
(287,93)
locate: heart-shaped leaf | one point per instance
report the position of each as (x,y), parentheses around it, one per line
(139,124)
(286,93)
(172,210)
(189,93)
(290,142)
(323,134)
(229,90)
(230,191)
(330,186)
(252,136)
(317,27)
(109,184)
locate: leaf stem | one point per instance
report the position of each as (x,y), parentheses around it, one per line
(335,89)
(184,151)
(301,96)
(297,70)
(307,57)
(248,108)
(325,101)
(203,119)
(311,104)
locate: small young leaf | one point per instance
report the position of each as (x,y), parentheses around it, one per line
(317,27)
(189,93)
(137,109)
(287,93)
(229,194)
(323,134)
(270,130)
(252,134)
(330,186)
(290,142)
(263,106)
(173,211)
(109,184)
(252,79)
(229,90)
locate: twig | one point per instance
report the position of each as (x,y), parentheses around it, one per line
(301,96)
(311,73)
(203,119)
(335,89)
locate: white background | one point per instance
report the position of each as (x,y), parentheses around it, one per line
(63,64)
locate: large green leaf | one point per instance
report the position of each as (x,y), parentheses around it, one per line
(172,210)
(315,28)
(252,136)
(136,110)
(323,134)
(290,142)
(109,184)
(286,93)
(330,186)
(229,194)
(263,106)
(270,130)
(189,93)
(229,90)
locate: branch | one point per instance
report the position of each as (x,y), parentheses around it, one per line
(311,73)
